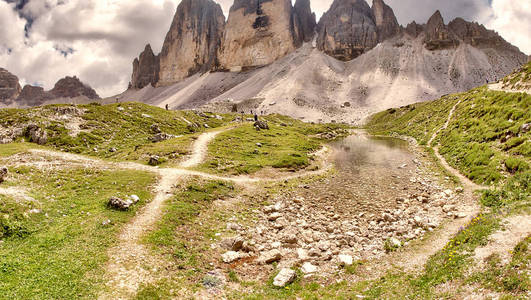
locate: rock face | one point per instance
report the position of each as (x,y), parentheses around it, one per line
(33,95)
(9,86)
(437,34)
(192,41)
(347,29)
(71,87)
(385,20)
(145,69)
(413,29)
(258,32)
(305,20)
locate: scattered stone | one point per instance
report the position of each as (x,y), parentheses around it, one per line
(134,198)
(261,125)
(345,260)
(3,174)
(154,160)
(459,190)
(284,277)
(159,137)
(146,116)
(230,257)
(308,268)
(120,204)
(233,226)
(395,242)
(525,128)
(258,145)
(270,257)
(274,216)
(106,222)
(155,128)
(36,134)
(35,211)
(112,150)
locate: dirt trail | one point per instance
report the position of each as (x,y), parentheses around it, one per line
(467,183)
(499,87)
(516,228)
(200,149)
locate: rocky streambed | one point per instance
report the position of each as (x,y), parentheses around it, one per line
(382,197)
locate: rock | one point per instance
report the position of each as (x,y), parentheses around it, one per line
(284,277)
(230,257)
(35,211)
(347,29)
(448,208)
(302,254)
(112,150)
(146,69)
(33,96)
(72,87)
(525,128)
(155,128)
(274,216)
(235,243)
(192,42)
(305,19)
(106,222)
(134,198)
(308,268)
(120,204)
(437,35)
(154,160)
(345,260)
(9,87)
(36,134)
(395,242)
(159,137)
(234,227)
(459,190)
(270,257)
(261,125)
(257,33)
(413,29)
(258,144)
(385,20)
(3,174)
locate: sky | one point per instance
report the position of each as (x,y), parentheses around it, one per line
(42,41)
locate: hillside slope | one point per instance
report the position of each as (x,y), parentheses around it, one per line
(488,138)
(307,84)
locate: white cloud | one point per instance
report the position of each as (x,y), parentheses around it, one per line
(106,35)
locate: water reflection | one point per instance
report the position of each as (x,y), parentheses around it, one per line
(361,151)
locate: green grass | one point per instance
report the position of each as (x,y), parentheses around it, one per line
(519,79)
(60,252)
(475,141)
(287,145)
(126,127)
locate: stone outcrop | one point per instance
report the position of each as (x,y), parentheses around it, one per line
(72,87)
(413,29)
(9,86)
(437,34)
(145,69)
(477,35)
(305,20)
(192,42)
(347,29)
(385,20)
(258,32)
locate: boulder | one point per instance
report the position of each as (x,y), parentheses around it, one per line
(261,125)
(270,257)
(284,277)
(36,134)
(3,174)
(120,204)
(192,42)
(230,257)
(154,160)
(345,260)
(308,268)
(525,128)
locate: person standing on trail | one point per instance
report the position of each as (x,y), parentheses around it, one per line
(255,117)
(167,107)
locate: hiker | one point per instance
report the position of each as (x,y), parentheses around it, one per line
(255,117)
(487,80)
(167,107)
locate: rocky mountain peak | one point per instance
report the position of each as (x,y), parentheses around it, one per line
(145,69)
(71,87)
(437,34)
(385,20)
(347,29)
(306,19)
(258,32)
(193,40)
(9,86)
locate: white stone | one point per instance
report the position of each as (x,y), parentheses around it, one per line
(345,260)
(284,277)
(230,257)
(395,242)
(308,268)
